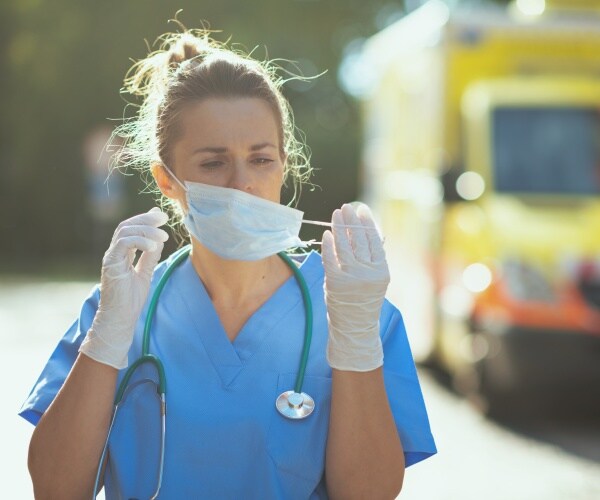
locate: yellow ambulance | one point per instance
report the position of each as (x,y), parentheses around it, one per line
(482,158)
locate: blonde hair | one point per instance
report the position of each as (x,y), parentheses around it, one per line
(191,66)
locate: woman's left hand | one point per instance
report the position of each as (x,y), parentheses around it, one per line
(356,279)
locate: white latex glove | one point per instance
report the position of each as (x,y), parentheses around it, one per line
(124,288)
(356,279)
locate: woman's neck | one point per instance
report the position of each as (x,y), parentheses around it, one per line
(237,281)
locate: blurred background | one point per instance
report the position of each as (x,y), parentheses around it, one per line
(471,127)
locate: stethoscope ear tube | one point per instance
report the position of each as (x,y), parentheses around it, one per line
(161,386)
(103,455)
(161,389)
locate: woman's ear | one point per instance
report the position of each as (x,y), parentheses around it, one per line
(168,187)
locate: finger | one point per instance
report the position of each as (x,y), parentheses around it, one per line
(375,241)
(155,217)
(357,235)
(148,260)
(343,249)
(330,261)
(149,232)
(124,247)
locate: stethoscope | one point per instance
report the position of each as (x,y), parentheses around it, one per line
(293,404)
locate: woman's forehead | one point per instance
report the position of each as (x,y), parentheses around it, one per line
(232,122)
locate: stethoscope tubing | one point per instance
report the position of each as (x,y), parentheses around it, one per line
(308,321)
(179,257)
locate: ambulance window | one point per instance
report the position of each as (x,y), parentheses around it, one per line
(552,150)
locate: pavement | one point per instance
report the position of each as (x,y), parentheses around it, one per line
(478,459)
(33,317)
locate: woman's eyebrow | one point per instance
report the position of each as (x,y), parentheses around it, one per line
(262,145)
(220,150)
(209,149)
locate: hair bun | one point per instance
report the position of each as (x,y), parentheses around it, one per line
(187,47)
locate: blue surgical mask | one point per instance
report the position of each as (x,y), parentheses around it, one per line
(239,226)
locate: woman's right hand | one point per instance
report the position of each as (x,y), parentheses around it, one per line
(124,288)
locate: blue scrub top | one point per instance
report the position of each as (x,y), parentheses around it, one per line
(224,436)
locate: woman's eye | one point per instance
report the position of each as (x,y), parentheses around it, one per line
(262,161)
(210,165)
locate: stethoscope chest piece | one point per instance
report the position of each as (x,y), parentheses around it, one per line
(295,405)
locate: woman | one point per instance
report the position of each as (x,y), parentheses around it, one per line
(217,136)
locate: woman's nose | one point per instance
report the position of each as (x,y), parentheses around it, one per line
(241,178)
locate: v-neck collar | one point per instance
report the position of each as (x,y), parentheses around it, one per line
(228,357)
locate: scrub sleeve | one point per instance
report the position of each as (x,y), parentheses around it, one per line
(403,388)
(61,361)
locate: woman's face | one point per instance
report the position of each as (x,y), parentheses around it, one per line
(231,143)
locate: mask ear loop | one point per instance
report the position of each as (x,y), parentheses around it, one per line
(170,172)
(329,224)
